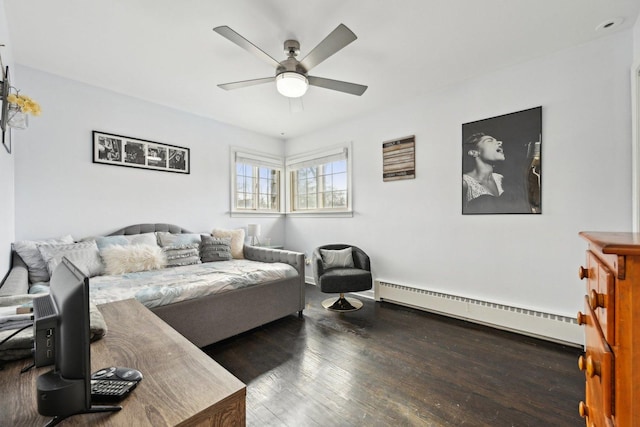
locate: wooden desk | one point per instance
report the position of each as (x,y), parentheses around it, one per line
(181,386)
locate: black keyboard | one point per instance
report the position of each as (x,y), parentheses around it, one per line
(111,390)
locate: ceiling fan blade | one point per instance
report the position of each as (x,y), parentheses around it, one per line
(236,38)
(246,83)
(340,86)
(339,38)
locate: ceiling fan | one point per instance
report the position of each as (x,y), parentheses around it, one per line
(291,77)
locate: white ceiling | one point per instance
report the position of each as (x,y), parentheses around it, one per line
(165,51)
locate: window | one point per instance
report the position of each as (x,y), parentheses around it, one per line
(320,182)
(256,183)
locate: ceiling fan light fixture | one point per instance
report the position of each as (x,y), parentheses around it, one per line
(291,84)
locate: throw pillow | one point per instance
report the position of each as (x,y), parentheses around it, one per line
(178,255)
(28,251)
(107,241)
(132,258)
(342,258)
(237,240)
(169,239)
(39,288)
(83,255)
(215,249)
(132,239)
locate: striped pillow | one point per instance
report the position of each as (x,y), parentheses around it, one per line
(215,248)
(178,255)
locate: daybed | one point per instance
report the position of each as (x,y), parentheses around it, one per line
(206,319)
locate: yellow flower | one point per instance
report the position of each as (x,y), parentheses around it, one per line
(26,104)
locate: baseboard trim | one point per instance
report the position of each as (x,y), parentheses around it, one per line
(547,326)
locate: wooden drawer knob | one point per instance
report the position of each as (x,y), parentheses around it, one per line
(593,368)
(596,300)
(583,410)
(582,363)
(583,273)
(581,318)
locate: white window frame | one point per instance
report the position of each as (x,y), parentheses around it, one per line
(255,158)
(319,157)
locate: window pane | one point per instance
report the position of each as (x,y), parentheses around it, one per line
(340,182)
(265,186)
(264,202)
(302,183)
(326,199)
(248,185)
(250,203)
(311,202)
(240,204)
(339,199)
(302,202)
(327,182)
(265,173)
(339,166)
(312,187)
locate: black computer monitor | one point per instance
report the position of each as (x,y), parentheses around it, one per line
(64,316)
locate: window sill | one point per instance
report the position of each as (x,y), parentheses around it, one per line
(321,214)
(311,214)
(254,214)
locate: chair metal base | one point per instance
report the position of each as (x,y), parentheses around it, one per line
(342,304)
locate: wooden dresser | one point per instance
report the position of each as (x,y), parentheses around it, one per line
(612,329)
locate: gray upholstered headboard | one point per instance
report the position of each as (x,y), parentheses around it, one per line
(149,228)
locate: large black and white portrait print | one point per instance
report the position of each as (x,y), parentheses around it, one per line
(501,164)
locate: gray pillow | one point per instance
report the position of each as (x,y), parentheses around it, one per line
(133,239)
(342,258)
(84,255)
(215,249)
(28,251)
(182,254)
(169,239)
(237,240)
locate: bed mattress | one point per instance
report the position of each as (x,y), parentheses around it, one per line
(174,284)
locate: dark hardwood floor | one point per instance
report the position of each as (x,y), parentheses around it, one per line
(388,365)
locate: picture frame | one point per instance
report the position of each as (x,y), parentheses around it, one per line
(399,159)
(502,164)
(119,150)
(5,85)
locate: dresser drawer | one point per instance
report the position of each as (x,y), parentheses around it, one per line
(597,364)
(600,294)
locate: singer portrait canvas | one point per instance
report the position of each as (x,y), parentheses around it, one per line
(502,164)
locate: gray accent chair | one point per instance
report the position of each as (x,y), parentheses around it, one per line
(341,280)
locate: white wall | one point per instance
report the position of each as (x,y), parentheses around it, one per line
(7,224)
(413,229)
(636,40)
(635,125)
(59,190)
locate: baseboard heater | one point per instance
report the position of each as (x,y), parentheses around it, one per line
(551,327)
